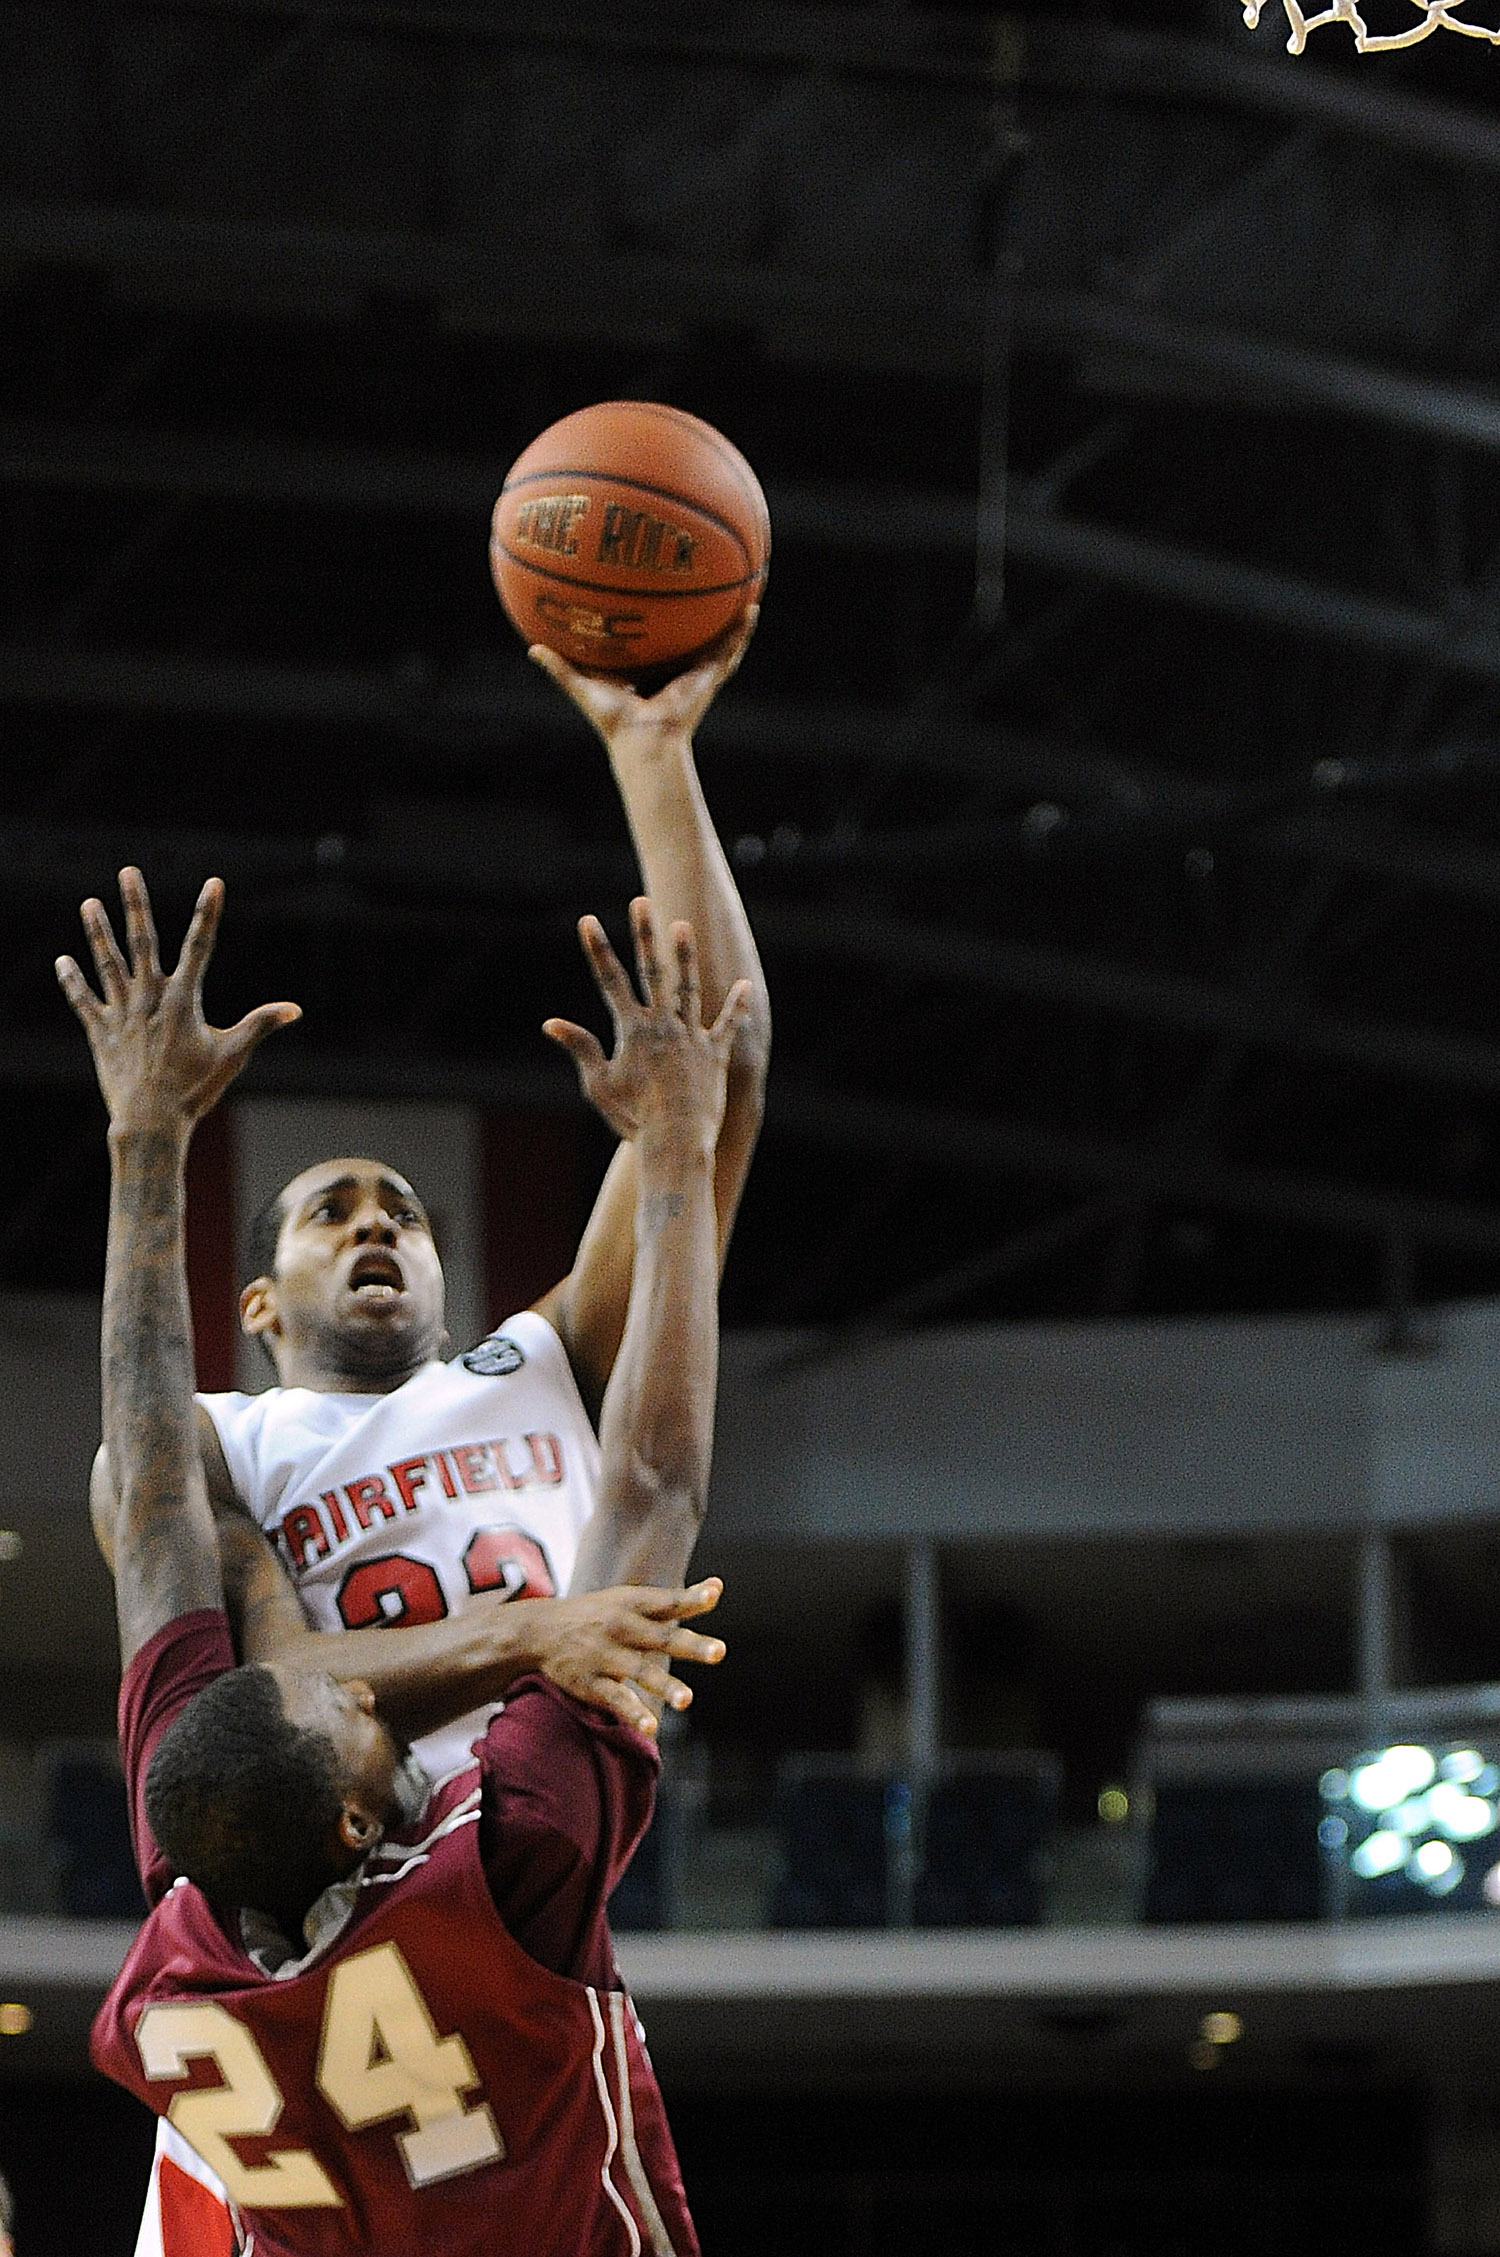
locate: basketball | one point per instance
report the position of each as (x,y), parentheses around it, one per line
(628,537)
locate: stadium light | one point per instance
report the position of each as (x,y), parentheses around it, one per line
(1407,1822)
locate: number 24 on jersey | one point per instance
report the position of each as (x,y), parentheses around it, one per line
(380,2056)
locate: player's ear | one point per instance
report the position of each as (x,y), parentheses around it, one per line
(258,1311)
(358,1829)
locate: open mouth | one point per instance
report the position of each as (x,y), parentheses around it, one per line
(376,1276)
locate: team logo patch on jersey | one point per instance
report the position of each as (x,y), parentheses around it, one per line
(494,1357)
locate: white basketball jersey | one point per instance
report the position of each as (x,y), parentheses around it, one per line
(476,1475)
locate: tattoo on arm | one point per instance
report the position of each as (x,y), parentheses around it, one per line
(166,1558)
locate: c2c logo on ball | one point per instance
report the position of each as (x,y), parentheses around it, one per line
(494,1358)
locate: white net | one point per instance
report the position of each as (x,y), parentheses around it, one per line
(1436,15)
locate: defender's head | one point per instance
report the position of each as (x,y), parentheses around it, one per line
(273,1783)
(347,1278)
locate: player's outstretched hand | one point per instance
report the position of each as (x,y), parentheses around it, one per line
(668,1069)
(614,1649)
(160,1065)
(615,709)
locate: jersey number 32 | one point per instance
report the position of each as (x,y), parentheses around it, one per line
(379,2056)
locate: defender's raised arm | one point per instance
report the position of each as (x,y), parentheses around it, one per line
(663,1093)
(161,1067)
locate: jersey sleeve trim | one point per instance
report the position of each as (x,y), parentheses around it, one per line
(536,1337)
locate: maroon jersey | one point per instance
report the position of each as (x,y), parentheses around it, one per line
(418,2081)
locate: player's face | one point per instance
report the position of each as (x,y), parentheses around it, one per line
(357,1274)
(375,1771)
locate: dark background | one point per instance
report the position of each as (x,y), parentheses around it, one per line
(1129,909)
(1133,944)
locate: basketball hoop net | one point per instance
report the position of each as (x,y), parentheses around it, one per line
(1437,15)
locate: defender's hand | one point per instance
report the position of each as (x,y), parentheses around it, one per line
(160,1065)
(614,1649)
(615,709)
(668,1070)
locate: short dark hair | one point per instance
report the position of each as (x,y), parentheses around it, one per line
(242,1800)
(265,1237)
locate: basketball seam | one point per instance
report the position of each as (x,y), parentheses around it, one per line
(726,450)
(625,595)
(637,486)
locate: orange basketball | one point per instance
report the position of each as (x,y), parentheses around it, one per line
(628,536)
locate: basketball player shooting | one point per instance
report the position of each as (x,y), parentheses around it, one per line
(388,1502)
(402,1493)
(405,1995)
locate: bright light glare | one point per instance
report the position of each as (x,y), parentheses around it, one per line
(1412,1817)
(1463,1818)
(1222,2028)
(1114,1805)
(1393,1777)
(1334,1786)
(1381,1853)
(1464,1765)
(1433,1859)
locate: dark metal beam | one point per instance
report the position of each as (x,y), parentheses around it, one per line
(845,1122)
(848,41)
(58,857)
(1161,569)
(1248,593)
(99,459)
(113,460)
(509,287)
(1056,55)
(1255,371)
(1121,800)
(1081,58)
(297,1069)
(1165,999)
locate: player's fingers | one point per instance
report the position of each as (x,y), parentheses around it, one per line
(620,1696)
(640,1632)
(78,992)
(246,1033)
(114,979)
(677,1606)
(695,690)
(689,998)
(201,935)
(647,962)
(690,1645)
(583,1048)
(552,662)
(586,688)
(140,925)
(737,640)
(658,1681)
(733,1008)
(609,973)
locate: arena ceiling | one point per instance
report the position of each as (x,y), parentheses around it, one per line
(1114,780)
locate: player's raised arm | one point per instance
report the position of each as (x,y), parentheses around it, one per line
(663,1091)
(687,877)
(160,1067)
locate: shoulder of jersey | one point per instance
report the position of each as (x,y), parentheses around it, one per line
(494,1358)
